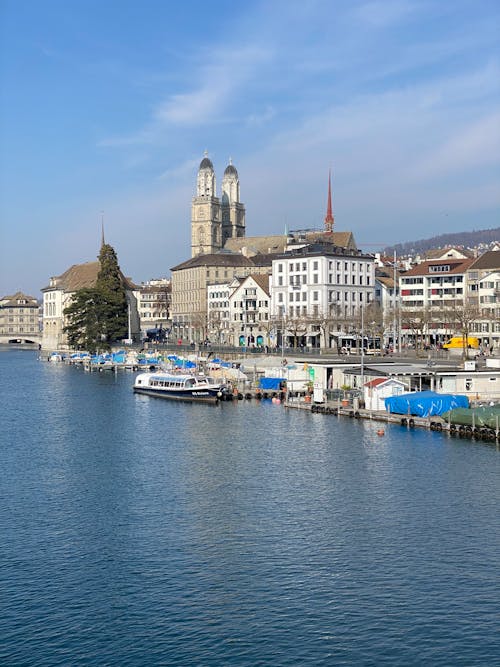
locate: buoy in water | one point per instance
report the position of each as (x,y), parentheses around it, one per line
(381,431)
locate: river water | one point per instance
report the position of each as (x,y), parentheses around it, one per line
(137,531)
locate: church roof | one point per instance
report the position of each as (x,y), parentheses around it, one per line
(339,239)
(206,163)
(257,244)
(230,170)
(80,276)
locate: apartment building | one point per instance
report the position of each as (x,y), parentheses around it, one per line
(153,305)
(483,293)
(430,294)
(249,308)
(19,317)
(322,288)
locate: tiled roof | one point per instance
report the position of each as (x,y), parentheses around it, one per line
(215,259)
(262,281)
(339,239)
(277,243)
(489,260)
(456,266)
(375,382)
(440,253)
(385,280)
(257,244)
(10,301)
(80,276)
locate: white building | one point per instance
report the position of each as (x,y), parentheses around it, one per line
(320,289)
(430,293)
(378,389)
(483,291)
(153,305)
(218,319)
(249,312)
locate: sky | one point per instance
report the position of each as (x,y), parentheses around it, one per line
(107,108)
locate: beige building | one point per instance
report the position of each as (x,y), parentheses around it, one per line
(189,288)
(19,318)
(58,294)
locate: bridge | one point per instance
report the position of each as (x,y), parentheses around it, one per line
(21,339)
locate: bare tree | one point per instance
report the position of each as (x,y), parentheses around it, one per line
(296,327)
(198,322)
(464,314)
(322,322)
(216,325)
(418,321)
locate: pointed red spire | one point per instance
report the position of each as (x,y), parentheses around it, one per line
(329,220)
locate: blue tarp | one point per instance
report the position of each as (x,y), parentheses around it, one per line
(271,383)
(424,403)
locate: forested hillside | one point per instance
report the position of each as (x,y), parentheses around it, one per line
(466,239)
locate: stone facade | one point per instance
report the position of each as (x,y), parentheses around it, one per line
(19,318)
(214,220)
(189,289)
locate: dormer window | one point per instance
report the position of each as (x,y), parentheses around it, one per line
(439,268)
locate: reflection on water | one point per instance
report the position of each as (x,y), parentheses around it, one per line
(139,531)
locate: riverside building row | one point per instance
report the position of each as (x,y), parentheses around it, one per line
(308,287)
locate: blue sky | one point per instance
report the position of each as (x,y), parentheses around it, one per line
(109,106)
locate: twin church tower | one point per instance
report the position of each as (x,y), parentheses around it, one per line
(215,220)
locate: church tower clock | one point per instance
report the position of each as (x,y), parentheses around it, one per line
(206,224)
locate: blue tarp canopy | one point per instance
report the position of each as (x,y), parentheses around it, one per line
(424,403)
(271,383)
(184,363)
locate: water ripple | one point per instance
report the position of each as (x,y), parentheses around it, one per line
(138,532)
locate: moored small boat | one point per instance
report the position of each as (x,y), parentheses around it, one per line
(186,387)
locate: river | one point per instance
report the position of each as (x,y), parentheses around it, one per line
(138,531)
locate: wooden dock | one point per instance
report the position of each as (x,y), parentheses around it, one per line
(434,423)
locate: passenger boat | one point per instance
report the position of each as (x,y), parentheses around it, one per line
(187,387)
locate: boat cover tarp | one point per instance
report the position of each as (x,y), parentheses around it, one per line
(424,403)
(271,383)
(483,416)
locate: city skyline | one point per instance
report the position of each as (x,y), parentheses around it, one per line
(108,109)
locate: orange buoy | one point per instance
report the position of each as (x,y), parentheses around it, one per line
(381,431)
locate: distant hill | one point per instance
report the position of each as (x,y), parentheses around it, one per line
(465,239)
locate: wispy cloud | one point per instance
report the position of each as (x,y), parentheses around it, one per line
(381,13)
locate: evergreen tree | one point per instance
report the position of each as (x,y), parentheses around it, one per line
(83,327)
(114,308)
(97,315)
